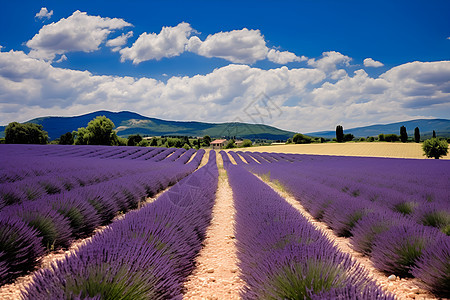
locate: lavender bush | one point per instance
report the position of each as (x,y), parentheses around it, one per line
(433,268)
(51,226)
(20,248)
(366,230)
(399,248)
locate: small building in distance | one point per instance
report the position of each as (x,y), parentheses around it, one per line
(218,144)
(238,143)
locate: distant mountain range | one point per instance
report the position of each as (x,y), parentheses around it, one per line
(426,127)
(128,123)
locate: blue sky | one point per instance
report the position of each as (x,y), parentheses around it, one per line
(298,65)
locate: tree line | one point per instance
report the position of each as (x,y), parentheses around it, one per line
(100,131)
(433,148)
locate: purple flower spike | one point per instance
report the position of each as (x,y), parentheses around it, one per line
(20,248)
(400,256)
(433,268)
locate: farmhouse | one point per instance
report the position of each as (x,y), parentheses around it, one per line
(238,143)
(218,144)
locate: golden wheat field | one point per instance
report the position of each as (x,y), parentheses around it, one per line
(378,149)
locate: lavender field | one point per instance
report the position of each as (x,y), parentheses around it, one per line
(50,196)
(394,211)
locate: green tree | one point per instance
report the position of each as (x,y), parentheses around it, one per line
(99,131)
(247,143)
(299,138)
(391,137)
(230,144)
(403,134)
(206,141)
(81,136)
(348,137)
(417,135)
(434,134)
(435,148)
(134,140)
(66,139)
(143,143)
(339,134)
(28,133)
(186,140)
(120,141)
(381,137)
(154,142)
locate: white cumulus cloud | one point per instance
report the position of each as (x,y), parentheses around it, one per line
(329,61)
(245,46)
(369,62)
(170,42)
(78,32)
(283,57)
(44,13)
(119,41)
(237,46)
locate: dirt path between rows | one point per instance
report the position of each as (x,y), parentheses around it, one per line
(402,288)
(13,290)
(217,275)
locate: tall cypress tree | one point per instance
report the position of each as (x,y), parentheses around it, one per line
(339,133)
(417,135)
(434,134)
(403,134)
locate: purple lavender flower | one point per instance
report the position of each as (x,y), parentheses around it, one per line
(400,256)
(433,268)
(20,248)
(51,225)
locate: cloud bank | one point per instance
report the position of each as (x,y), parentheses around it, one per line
(307,97)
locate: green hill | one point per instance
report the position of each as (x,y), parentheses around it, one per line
(128,123)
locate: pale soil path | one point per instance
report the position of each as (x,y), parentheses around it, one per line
(375,149)
(217,275)
(402,288)
(13,290)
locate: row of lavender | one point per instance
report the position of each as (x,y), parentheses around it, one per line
(31,226)
(398,243)
(52,174)
(423,202)
(282,256)
(19,161)
(146,255)
(390,180)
